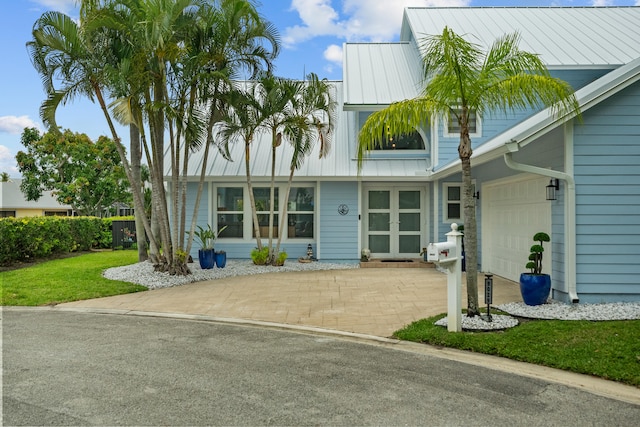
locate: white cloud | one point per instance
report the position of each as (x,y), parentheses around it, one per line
(333,53)
(15,125)
(59,5)
(8,162)
(602,3)
(357,20)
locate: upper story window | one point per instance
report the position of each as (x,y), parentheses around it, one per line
(452,127)
(412,141)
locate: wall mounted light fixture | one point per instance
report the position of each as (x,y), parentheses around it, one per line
(554,185)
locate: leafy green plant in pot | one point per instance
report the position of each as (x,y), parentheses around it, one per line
(206,237)
(535,285)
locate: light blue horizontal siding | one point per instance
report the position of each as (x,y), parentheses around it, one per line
(494,123)
(202,215)
(607,173)
(338,239)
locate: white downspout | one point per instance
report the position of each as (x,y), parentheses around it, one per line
(569,205)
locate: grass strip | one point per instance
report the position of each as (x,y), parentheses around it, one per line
(65,280)
(606,349)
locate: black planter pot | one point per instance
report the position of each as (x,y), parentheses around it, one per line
(206,258)
(221,259)
(535,288)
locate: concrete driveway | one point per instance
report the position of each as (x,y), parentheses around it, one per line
(372,301)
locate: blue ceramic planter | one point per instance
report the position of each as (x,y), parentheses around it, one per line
(206,258)
(535,288)
(221,259)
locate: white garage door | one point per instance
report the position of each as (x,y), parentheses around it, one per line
(513,211)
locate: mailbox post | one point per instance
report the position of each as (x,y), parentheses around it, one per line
(447,255)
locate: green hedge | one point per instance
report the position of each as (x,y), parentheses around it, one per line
(24,239)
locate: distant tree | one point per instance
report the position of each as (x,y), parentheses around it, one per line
(86,175)
(4,177)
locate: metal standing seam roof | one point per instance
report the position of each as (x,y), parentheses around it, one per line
(377,74)
(564,37)
(340,164)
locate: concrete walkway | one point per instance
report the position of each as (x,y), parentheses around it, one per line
(371,301)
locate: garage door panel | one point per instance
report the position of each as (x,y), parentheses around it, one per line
(513,211)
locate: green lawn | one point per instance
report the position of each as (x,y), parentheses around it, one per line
(608,349)
(65,280)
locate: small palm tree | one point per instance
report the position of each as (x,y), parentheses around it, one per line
(461,80)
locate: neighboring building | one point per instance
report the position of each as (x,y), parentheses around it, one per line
(15,204)
(408,195)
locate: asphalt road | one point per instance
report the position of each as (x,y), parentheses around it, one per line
(67,368)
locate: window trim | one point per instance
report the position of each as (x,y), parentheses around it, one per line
(446,202)
(476,134)
(247,221)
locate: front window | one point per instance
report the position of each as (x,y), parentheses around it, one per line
(263,202)
(300,216)
(230,211)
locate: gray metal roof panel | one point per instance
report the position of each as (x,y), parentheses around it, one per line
(340,162)
(562,36)
(380,73)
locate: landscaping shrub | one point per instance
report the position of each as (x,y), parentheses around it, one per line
(28,238)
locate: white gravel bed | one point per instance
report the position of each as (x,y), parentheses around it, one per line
(558,310)
(477,323)
(143,274)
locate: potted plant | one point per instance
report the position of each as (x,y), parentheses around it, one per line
(206,254)
(220,256)
(535,285)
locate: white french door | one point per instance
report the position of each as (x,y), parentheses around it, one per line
(394,221)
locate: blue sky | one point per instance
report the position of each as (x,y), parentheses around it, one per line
(312,32)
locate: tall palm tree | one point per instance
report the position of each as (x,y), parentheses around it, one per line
(460,80)
(226,41)
(62,53)
(314,111)
(244,121)
(173,60)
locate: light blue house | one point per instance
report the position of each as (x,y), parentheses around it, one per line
(408,194)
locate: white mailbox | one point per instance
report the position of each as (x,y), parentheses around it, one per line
(441,252)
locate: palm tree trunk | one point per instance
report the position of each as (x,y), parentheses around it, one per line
(252,200)
(470,228)
(134,143)
(272,254)
(285,204)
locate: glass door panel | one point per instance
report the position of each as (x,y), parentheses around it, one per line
(394,222)
(379,221)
